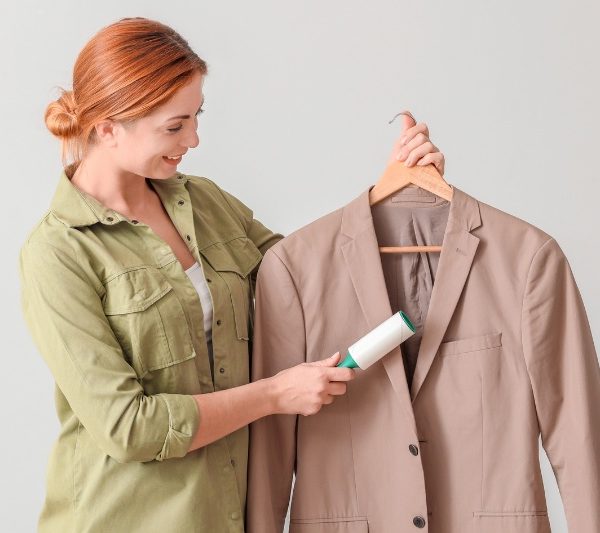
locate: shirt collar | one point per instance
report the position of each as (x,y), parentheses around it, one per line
(76,208)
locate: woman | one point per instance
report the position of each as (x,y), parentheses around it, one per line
(136,287)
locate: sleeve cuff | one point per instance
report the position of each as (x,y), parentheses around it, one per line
(184,420)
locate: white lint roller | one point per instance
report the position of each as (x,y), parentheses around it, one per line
(379,341)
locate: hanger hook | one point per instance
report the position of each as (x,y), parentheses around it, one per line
(405,112)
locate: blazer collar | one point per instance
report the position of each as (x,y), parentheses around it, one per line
(363,261)
(356,215)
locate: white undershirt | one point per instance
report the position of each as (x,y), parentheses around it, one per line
(196,275)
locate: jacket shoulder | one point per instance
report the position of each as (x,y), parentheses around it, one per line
(506,229)
(314,238)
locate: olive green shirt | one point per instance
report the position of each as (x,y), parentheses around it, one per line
(120,325)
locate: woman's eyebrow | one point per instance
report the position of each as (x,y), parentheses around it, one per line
(186,116)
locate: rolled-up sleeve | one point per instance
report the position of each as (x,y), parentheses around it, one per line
(62,307)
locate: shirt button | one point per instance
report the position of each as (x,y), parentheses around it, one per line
(110,219)
(413,449)
(419,521)
(222,370)
(235,515)
(233,462)
(188,237)
(181,202)
(179,177)
(134,221)
(209,280)
(219,322)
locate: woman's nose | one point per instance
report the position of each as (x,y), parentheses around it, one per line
(193,140)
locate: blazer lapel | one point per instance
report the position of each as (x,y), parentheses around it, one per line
(363,260)
(361,254)
(458,250)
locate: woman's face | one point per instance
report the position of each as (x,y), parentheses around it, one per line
(145,146)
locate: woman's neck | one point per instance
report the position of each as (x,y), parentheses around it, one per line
(123,192)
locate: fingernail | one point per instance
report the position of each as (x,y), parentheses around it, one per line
(402,140)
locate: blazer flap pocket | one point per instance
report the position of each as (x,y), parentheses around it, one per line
(471,344)
(239,255)
(134,291)
(337,525)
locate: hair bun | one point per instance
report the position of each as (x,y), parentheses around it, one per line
(61,116)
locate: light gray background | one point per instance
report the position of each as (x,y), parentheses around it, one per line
(297,104)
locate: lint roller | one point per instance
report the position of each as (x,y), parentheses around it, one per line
(379,341)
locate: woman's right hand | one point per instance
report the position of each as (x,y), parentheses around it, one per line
(303,389)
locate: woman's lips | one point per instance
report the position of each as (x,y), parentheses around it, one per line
(173,161)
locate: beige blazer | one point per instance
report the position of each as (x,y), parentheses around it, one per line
(506,354)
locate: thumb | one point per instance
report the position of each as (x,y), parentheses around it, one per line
(408,121)
(329,361)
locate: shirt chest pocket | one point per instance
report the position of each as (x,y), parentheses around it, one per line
(234,262)
(148,320)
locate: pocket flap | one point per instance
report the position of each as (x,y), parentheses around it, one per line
(238,255)
(337,525)
(134,290)
(471,344)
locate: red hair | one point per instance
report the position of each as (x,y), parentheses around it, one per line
(124,72)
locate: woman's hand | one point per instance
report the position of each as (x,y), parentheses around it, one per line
(413,147)
(305,388)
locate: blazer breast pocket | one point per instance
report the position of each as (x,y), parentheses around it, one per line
(470,344)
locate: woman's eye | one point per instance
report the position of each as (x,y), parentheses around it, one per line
(173,130)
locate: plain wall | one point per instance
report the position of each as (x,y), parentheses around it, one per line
(298,100)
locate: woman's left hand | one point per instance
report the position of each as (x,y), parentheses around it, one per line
(413,147)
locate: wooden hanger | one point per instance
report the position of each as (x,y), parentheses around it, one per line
(397,176)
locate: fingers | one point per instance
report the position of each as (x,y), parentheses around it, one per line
(414,144)
(423,147)
(410,133)
(435,158)
(339,374)
(330,361)
(418,141)
(408,121)
(336,388)
(420,150)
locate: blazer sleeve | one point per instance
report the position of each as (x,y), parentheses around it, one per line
(279,343)
(565,378)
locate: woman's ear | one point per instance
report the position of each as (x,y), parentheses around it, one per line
(108,132)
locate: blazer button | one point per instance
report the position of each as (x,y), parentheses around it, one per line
(419,521)
(413,449)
